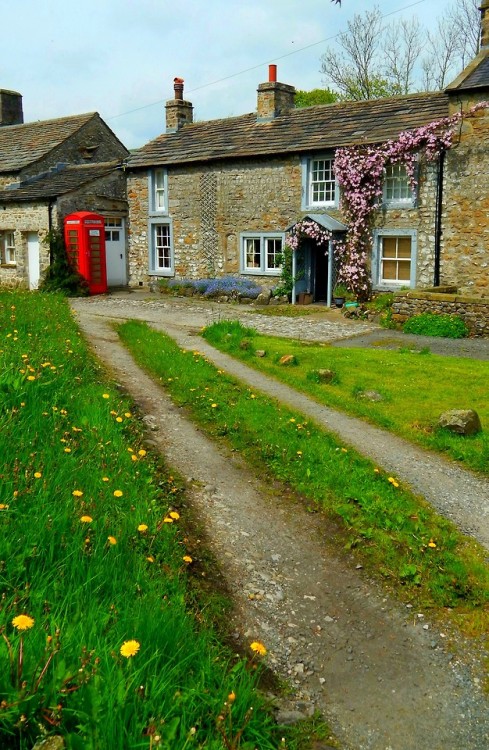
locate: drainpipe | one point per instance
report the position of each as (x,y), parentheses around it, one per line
(50,229)
(438,217)
(329,294)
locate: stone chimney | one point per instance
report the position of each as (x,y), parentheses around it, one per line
(484,9)
(274,98)
(178,111)
(11,108)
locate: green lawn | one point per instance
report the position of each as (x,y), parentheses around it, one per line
(415,388)
(101,640)
(392,533)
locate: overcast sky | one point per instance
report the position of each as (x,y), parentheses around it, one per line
(119,57)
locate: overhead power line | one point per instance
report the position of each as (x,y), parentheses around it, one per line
(259,65)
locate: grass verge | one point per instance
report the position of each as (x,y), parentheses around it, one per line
(397,535)
(413,388)
(98,639)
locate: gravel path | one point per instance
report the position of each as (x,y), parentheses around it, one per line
(384,676)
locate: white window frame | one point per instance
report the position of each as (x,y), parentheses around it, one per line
(113,227)
(163,265)
(396,179)
(330,185)
(377,257)
(7,248)
(261,240)
(158,191)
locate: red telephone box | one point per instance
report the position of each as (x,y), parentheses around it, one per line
(85,245)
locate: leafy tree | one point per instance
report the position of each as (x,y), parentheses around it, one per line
(316,96)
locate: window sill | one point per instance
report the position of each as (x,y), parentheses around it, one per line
(8,265)
(260,272)
(398,204)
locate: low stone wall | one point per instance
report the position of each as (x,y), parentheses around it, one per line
(474,311)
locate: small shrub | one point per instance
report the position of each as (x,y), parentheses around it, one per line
(60,276)
(431,324)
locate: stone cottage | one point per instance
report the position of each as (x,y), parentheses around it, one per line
(49,169)
(219,197)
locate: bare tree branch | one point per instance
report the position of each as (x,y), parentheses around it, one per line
(402,47)
(465,16)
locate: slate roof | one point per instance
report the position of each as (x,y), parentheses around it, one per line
(475,75)
(55,183)
(300,130)
(21,145)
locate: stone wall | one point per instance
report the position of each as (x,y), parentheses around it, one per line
(23,218)
(210,207)
(465,240)
(137,228)
(473,310)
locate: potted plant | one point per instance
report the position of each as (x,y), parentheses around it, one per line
(340,293)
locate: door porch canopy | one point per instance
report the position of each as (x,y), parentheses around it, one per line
(336,229)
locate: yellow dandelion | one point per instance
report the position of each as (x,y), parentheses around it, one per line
(167,519)
(344,450)
(118,493)
(105,395)
(292,420)
(118,419)
(150,559)
(432,543)
(67,450)
(142,527)
(187,559)
(3,506)
(214,406)
(112,540)
(105,479)
(130,648)
(86,519)
(174,515)
(141,452)
(37,474)
(23,622)
(258,648)
(299,453)
(31,377)
(232,696)
(77,493)
(393,481)
(127,414)
(134,457)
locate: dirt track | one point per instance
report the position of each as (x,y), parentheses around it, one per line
(381,674)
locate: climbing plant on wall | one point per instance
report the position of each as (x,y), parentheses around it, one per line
(360,172)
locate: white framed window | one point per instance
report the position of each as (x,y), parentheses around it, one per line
(261,253)
(158,190)
(113,229)
(395,258)
(161,251)
(397,189)
(319,182)
(7,248)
